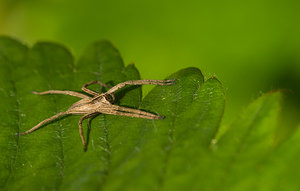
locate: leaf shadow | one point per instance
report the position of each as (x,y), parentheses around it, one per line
(89,131)
(120,94)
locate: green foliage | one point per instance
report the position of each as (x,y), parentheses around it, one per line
(185,151)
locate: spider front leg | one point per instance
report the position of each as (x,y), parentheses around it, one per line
(91,92)
(123,111)
(136,113)
(135,82)
(141,82)
(66,92)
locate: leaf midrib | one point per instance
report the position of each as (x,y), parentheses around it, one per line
(106,132)
(60,134)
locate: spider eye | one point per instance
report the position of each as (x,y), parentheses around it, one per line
(110,97)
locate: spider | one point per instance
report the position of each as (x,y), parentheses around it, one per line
(97,103)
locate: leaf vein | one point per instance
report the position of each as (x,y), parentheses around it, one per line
(17,111)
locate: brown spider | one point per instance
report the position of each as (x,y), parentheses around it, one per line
(99,103)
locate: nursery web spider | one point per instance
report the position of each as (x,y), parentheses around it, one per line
(99,103)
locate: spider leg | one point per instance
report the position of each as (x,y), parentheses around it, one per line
(80,127)
(136,111)
(91,92)
(123,111)
(141,82)
(71,93)
(43,122)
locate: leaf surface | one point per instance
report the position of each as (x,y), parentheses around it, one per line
(184,151)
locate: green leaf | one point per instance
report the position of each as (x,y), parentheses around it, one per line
(184,151)
(248,142)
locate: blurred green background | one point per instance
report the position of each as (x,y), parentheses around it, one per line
(251,46)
